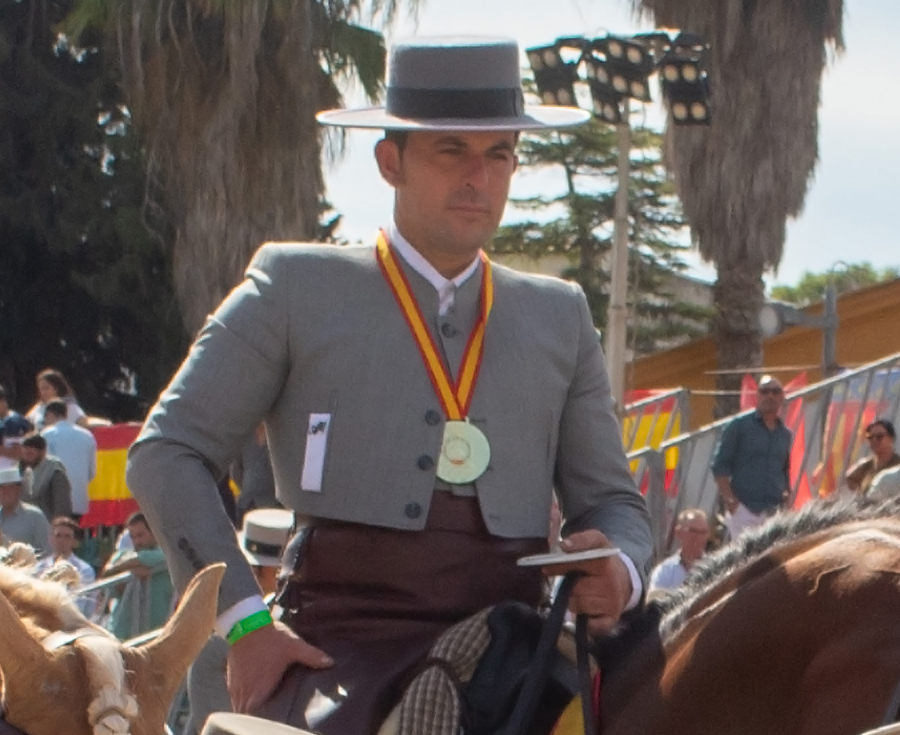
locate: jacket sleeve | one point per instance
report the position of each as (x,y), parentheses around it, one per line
(592,476)
(233,374)
(60,493)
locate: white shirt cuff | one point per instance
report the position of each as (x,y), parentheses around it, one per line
(637,587)
(243,609)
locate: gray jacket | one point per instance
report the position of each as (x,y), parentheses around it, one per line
(313,334)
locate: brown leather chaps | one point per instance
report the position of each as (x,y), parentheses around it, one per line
(376,599)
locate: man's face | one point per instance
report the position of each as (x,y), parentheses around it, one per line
(141,536)
(4,408)
(451,188)
(693,535)
(62,540)
(770,397)
(10,493)
(31,456)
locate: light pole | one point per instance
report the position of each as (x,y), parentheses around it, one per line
(618,69)
(617,313)
(776,316)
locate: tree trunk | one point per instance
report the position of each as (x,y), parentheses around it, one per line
(738,295)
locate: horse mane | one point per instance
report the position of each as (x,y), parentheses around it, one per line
(41,604)
(666,616)
(783,528)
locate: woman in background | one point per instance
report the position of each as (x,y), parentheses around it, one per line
(51,384)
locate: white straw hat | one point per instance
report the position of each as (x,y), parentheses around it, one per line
(228,723)
(264,535)
(10,475)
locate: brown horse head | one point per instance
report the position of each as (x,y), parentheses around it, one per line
(794,630)
(93,685)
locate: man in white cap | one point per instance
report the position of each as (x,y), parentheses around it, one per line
(421,406)
(21,521)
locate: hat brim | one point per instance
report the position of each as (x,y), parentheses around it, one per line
(534,118)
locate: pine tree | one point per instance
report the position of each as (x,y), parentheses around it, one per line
(83,284)
(577,222)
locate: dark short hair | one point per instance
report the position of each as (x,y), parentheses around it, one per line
(888,426)
(57,408)
(68,523)
(397,137)
(3,394)
(35,441)
(137,517)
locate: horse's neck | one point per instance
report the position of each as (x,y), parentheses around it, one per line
(633,662)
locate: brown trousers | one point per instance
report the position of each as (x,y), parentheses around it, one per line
(376,599)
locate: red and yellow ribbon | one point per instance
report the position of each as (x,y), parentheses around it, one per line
(455,397)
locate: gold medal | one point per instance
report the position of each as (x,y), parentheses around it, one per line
(465,453)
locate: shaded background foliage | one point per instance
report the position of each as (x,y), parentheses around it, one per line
(84,286)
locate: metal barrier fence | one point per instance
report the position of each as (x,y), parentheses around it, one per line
(827,420)
(655,419)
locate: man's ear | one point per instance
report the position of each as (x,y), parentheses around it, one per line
(389,159)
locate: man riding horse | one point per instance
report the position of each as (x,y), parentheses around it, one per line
(421,405)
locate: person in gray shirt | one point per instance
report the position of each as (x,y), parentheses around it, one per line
(21,521)
(752,462)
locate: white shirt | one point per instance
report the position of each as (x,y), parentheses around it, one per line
(668,574)
(445,287)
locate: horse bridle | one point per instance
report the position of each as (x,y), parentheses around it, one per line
(55,640)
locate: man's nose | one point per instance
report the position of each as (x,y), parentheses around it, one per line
(477,171)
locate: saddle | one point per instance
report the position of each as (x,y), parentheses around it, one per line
(500,672)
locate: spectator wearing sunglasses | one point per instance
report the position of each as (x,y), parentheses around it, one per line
(752,461)
(881,435)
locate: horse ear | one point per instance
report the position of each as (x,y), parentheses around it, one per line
(18,647)
(189,628)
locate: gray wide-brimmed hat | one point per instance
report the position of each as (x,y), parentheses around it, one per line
(455,83)
(228,723)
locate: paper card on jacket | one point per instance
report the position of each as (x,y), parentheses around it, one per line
(316,444)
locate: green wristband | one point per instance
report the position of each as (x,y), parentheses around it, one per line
(252,622)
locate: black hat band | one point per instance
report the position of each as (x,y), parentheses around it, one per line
(254,547)
(438,104)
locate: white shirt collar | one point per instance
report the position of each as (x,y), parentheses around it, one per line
(445,287)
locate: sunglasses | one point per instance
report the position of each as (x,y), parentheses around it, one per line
(773,391)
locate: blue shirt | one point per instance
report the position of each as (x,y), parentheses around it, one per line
(76,448)
(757,459)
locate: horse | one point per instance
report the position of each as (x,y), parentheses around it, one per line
(794,629)
(62,674)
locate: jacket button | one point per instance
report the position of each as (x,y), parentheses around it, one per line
(432,417)
(448,330)
(425,462)
(413,510)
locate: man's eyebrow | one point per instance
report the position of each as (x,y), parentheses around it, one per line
(451,140)
(503,145)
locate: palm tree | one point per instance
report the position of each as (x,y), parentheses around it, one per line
(742,177)
(225,94)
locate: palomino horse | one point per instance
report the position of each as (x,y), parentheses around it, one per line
(62,674)
(793,630)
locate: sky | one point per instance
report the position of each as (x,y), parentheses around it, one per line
(849,214)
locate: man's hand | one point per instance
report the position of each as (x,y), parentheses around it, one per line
(605,590)
(257,662)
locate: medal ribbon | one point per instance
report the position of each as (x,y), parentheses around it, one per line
(454,397)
